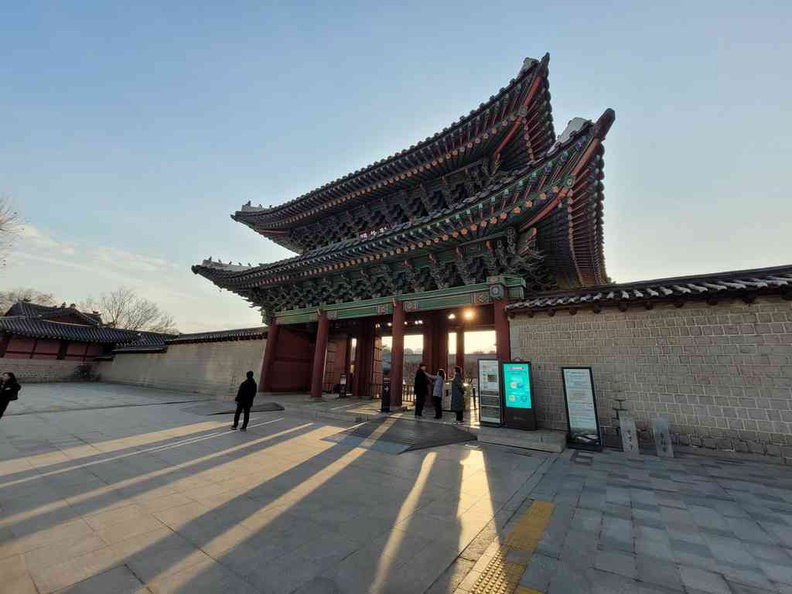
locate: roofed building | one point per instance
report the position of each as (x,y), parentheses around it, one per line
(31,331)
(491,209)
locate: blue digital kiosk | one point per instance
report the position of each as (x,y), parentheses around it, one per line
(518,395)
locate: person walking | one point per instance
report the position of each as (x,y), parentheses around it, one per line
(458,394)
(421,388)
(9,390)
(244,399)
(437,393)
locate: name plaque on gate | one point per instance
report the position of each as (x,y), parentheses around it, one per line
(489,392)
(581,407)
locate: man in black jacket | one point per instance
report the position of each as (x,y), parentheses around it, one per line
(421,387)
(244,399)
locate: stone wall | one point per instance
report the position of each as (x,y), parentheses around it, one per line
(214,368)
(721,374)
(43,370)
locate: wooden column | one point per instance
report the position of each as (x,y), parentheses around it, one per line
(320,351)
(502,337)
(460,347)
(397,354)
(364,355)
(428,339)
(441,348)
(268,364)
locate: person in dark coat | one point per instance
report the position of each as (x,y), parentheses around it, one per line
(458,394)
(421,388)
(9,390)
(244,399)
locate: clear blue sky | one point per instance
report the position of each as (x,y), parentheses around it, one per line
(131,131)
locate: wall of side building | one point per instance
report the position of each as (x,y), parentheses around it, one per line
(721,374)
(213,368)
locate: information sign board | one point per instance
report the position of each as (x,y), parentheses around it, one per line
(581,407)
(490,412)
(518,395)
(517,385)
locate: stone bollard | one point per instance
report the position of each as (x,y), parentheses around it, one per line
(629,436)
(662,438)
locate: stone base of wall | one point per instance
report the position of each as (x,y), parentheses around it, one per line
(704,444)
(38,370)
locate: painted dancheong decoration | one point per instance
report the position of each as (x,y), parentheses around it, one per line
(495,195)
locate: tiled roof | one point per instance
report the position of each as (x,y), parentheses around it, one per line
(142,348)
(34,310)
(585,242)
(220,335)
(38,328)
(746,284)
(491,120)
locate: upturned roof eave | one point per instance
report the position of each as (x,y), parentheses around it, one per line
(217,272)
(252,218)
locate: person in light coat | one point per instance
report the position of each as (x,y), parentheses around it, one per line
(437,393)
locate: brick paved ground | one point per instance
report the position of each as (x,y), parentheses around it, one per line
(652,525)
(152,497)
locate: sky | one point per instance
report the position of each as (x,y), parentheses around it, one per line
(132,131)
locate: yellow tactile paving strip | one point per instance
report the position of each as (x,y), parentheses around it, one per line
(503,572)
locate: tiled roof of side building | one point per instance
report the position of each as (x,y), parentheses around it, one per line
(220,335)
(38,328)
(34,310)
(745,284)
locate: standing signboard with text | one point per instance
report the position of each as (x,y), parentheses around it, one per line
(581,408)
(518,395)
(490,408)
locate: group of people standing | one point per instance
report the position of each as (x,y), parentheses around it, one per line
(425,383)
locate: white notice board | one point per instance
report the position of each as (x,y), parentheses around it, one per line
(581,407)
(489,391)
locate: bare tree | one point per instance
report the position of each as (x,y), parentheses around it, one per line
(123,308)
(8,298)
(9,221)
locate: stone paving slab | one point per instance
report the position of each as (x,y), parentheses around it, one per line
(690,524)
(68,396)
(160,499)
(415,436)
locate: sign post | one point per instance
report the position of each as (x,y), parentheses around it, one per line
(342,386)
(518,395)
(490,409)
(581,408)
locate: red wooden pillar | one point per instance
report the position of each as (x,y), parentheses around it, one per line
(268,364)
(428,340)
(502,337)
(460,348)
(397,354)
(364,356)
(320,351)
(441,348)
